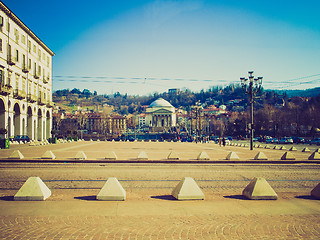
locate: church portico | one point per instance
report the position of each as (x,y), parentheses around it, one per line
(160,115)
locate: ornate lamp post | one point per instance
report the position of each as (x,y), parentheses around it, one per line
(251,86)
(198,111)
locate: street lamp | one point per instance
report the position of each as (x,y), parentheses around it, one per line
(251,86)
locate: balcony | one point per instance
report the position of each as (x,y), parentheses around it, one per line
(31,98)
(36,75)
(45,79)
(5,89)
(42,100)
(19,94)
(50,104)
(25,68)
(11,60)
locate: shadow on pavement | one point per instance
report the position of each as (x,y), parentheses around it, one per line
(86,198)
(7,198)
(164,197)
(239,197)
(307,197)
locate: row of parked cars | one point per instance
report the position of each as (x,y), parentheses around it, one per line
(289,140)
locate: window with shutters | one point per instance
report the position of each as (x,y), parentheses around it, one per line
(29,46)
(2,82)
(1,23)
(23,39)
(17,55)
(16,33)
(24,83)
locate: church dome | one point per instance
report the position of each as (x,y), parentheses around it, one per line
(160,102)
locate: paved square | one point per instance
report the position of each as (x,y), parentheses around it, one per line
(149,211)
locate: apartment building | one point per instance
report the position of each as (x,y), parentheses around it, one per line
(25,80)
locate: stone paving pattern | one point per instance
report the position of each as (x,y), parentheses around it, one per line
(149,211)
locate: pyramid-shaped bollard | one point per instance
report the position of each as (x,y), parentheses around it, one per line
(260,156)
(306,150)
(81,155)
(259,189)
(173,156)
(16,155)
(232,156)
(283,148)
(267,147)
(203,156)
(142,156)
(293,149)
(276,147)
(112,191)
(317,150)
(314,156)
(111,156)
(33,189)
(316,192)
(187,189)
(48,155)
(288,156)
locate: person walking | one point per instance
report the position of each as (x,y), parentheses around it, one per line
(223,141)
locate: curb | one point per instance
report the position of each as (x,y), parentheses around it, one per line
(164,161)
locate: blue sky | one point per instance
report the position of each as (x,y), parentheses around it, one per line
(141,46)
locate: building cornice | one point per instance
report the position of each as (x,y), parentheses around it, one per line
(10,14)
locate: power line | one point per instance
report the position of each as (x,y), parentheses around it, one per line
(151,80)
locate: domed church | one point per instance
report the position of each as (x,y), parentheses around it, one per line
(160,115)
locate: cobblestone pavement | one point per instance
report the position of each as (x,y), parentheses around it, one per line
(161,227)
(149,211)
(156,151)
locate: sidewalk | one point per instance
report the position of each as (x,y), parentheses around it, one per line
(161,217)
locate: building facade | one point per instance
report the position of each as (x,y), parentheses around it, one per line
(25,80)
(106,124)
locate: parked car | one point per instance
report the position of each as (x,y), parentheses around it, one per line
(315,141)
(298,140)
(21,138)
(286,140)
(272,140)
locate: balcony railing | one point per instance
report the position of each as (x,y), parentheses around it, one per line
(19,94)
(31,98)
(5,89)
(11,60)
(45,79)
(36,75)
(42,100)
(25,68)
(50,104)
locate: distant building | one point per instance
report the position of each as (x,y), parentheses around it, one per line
(142,120)
(25,79)
(174,91)
(106,124)
(213,110)
(160,115)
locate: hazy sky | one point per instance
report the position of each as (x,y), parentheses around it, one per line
(141,46)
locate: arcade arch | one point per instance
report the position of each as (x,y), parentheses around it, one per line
(40,125)
(2,114)
(48,123)
(17,119)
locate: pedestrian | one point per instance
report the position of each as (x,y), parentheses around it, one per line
(220,141)
(224,141)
